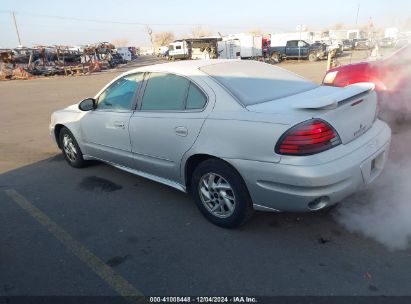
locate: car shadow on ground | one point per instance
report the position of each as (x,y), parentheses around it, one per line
(155,237)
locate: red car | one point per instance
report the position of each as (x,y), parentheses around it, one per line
(391,76)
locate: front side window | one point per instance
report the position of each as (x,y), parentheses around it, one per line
(119,95)
(301,43)
(165,92)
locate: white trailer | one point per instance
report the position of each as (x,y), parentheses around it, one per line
(229,49)
(251,45)
(162,51)
(178,50)
(124,52)
(346,34)
(391,32)
(280,39)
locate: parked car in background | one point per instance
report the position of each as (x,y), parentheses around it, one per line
(237,134)
(399,43)
(387,42)
(116,59)
(362,44)
(347,45)
(391,76)
(298,49)
(329,47)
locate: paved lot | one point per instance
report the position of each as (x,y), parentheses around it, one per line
(101,231)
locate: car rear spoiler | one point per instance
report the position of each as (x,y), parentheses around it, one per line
(332,101)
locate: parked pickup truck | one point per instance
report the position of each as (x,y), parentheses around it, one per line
(295,49)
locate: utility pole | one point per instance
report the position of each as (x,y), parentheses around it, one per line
(17,29)
(358,12)
(300,28)
(150,33)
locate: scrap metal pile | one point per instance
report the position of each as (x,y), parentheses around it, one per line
(24,63)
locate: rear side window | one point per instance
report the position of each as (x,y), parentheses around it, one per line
(165,92)
(169,92)
(293,43)
(195,98)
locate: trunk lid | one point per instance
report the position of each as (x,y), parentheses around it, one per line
(351,111)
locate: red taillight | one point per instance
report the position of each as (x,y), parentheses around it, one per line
(308,138)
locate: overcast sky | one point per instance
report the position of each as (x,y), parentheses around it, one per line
(38,26)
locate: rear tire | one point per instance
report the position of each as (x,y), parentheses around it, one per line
(276,57)
(70,148)
(221,194)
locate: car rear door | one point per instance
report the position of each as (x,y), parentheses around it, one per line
(105,130)
(168,119)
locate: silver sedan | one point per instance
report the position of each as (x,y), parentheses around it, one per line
(238,135)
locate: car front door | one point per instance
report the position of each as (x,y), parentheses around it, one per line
(302,49)
(291,49)
(105,130)
(166,124)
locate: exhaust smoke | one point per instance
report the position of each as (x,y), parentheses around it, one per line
(383,210)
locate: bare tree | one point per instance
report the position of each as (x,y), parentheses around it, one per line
(163,38)
(199,31)
(339,26)
(407,24)
(120,42)
(364,27)
(255,31)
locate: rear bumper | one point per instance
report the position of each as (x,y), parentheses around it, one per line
(287,187)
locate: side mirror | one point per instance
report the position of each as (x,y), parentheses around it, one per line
(87,104)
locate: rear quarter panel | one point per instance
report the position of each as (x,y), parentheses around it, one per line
(239,136)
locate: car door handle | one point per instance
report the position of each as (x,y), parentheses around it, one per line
(181,131)
(119,124)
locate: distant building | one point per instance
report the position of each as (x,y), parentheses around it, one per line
(146,50)
(347,34)
(391,32)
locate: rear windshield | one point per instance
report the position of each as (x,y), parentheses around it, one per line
(253,82)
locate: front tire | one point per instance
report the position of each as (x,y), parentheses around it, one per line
(312,57)
(221,194)
(70,148)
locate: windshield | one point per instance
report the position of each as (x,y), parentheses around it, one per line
(253,82)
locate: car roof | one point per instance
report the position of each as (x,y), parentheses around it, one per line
(180,67)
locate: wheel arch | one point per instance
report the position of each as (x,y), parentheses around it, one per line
(57,130)
(194,160)
(191,163)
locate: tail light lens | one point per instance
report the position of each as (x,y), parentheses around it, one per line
(310,137)
(330,77)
